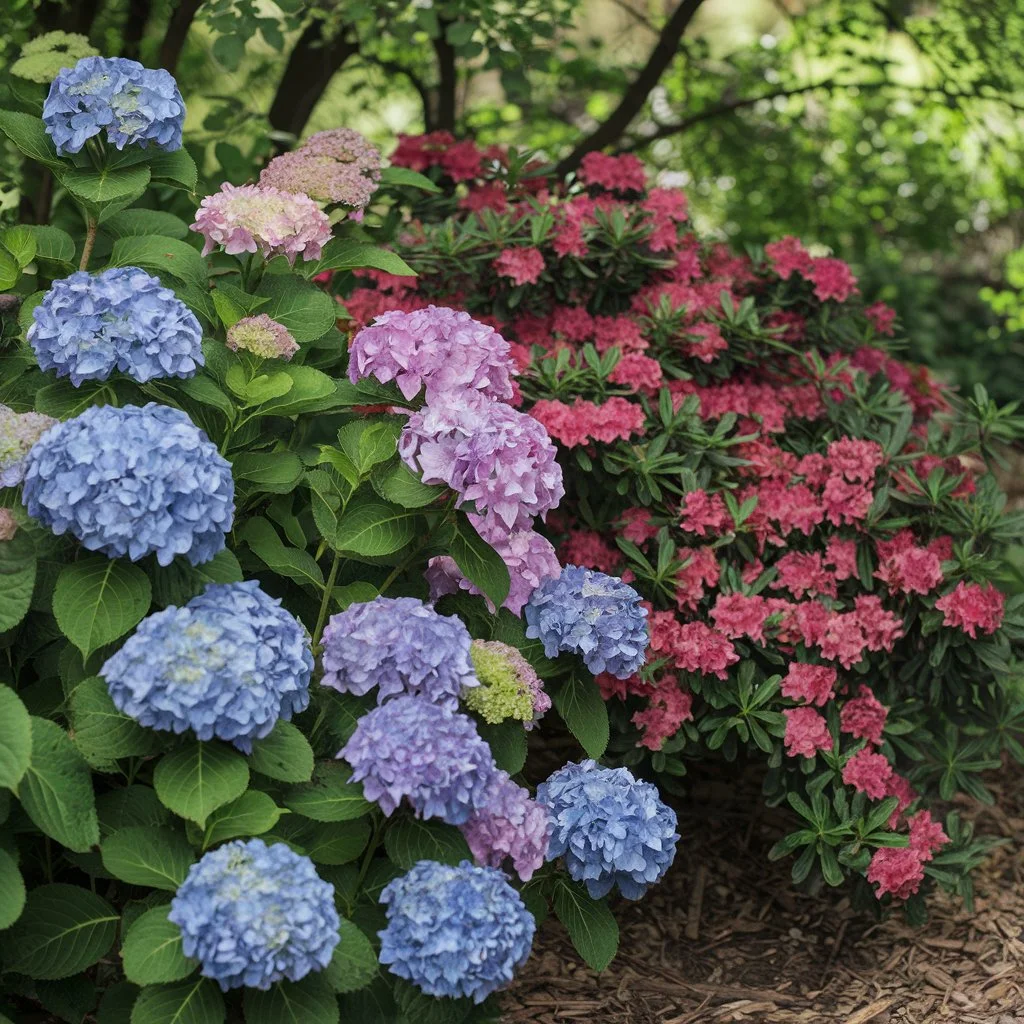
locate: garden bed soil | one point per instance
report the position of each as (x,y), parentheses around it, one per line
(726,937)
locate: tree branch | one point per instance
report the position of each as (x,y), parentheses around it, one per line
(177,32)
(444,111)
(615,125)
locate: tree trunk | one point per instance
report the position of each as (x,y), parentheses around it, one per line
(443,118)
(311,66)
(177,33)
(135,27)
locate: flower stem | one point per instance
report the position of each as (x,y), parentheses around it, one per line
(90,241)
(325,601)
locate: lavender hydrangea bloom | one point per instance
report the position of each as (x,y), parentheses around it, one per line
(254,914)
(18,433)
(591,614)
(132,481)
(133,104)
(434,757)
(510,825)
(229,664)
(455,931)
(87,326)
(399,645)
(611,829)
(436,348)
(529,558)
(500,459)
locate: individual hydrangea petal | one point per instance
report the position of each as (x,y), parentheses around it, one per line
(254,914)
(132,104)
(611,829)
(263,337)
(257,218)
(588,613)
(18,433)
(229,664)
(488,453)
(455,931)
(433,757)
(508,685)
(435,349)
(509,826)
(132,481)
(87,326)
(401,646)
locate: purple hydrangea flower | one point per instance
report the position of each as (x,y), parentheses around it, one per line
(455,931)
(509,825)
(439,349)
(491,455)
(87,326)
(254,914)
(263,337)
(589,613)
(229,664)
(611,829)
(401,646)
(254,218)
(133,104)
(434,757)
(132,481)
(18,433)
(529,558)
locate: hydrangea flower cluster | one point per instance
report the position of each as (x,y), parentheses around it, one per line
(401,646)
(254,915)
(455,931)
(436,349)
(89,325)
(229,664)
(18,433)
(258,218)
(427,754)
(132,481)
(133,105)
(507,685)
(334,166)
(263,337)
(611,829)
(591,614)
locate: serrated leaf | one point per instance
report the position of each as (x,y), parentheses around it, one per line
(284,755)
(177,168)
(56,791)
(479,562)
(64,929)
(130,223)
(51,243)
(330,796)
(196,779)
(589,922)
(344,254)
(98,189)
(309,1001)
(334,843)
(29,134)
(293,563)
(268,472)
(152,952)
(17,579)
(195,1001)
(162,256)
(507,741)
(12,891)
(409,840)
(15,738)
(354,963)
(398,484)
(100,731)
(117,1002)
(125,808)
(252,814)
(96,600)
(304,309)
(375,528)
(155,857)
(585,713)
(20,242)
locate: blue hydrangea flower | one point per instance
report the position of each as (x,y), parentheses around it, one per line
(611,829)
(122,319)
(432,756)
(254,914)
(132,481)
(18,433)
(399,645)
(591,614)
(133,104)
(455,931)
(229,664)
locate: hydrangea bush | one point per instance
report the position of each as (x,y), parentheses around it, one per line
(267,676)
(812,523)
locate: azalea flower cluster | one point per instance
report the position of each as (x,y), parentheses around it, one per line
(815,534)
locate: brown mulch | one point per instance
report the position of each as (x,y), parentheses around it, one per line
(726,937)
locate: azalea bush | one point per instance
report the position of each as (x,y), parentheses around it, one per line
(811,521)
(248,769)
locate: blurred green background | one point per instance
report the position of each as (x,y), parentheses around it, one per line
(888,132)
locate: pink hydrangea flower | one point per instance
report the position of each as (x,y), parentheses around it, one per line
(971,606)
(806,732)
(263,337)
(814,684)
(251,218)
(869,773)
(864,717)
(832,279)
(436,349)
(788,256)
(522,265)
